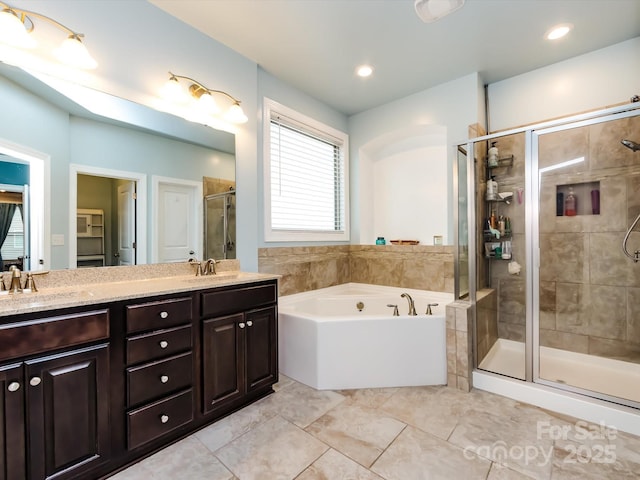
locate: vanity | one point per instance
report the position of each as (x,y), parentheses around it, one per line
(119,362)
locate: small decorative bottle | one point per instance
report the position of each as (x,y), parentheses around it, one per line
(380,241)
(570,204)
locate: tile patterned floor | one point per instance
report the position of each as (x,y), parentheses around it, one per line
(393,434)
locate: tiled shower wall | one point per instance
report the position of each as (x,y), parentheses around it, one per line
(410,266)
(589,291)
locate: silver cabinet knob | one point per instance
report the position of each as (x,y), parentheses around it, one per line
(164,314)
(164,344)
(164,378)
(249,323)
(164,418)
(241,324)
(14,387)
(35,381)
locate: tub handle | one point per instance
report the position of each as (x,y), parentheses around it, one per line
(395,309)
(429,312)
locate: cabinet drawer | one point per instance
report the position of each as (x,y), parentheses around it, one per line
(160,314)
(152,380)
(153,421)
(239,299)
(35,336)
(158,344)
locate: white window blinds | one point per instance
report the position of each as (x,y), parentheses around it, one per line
(307,178)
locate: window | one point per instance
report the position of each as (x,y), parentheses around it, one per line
(306,178)
(13,246)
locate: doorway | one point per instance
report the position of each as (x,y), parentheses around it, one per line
(116,197)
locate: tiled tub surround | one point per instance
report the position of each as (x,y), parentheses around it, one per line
(589,291)
(302,269)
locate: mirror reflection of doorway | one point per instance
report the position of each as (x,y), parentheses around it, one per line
(109,205)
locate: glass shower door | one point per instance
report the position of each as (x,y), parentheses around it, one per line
(220,226)
(587,292)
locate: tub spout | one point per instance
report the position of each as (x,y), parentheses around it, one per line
(412,307)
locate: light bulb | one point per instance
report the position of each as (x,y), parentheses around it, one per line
(173,91)
(235,114)
(207,104)
(13,31)
(72,52)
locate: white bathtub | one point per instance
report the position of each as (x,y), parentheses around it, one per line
(326,342)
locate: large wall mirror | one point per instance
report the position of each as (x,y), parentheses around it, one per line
(111,182)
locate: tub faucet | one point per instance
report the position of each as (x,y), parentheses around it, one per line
(429,312)
(412,307)
(395,309)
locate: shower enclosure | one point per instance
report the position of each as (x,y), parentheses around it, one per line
(557,299)
(220,225)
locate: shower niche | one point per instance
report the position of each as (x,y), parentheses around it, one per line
(578,199)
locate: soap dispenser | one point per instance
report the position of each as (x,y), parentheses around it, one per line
(492,189)
(492,160)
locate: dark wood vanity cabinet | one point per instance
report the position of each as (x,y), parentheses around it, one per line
(239,350)
(88,390)
(159,373)
(55,402)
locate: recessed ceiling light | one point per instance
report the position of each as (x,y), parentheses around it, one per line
(364,71)
(558,31)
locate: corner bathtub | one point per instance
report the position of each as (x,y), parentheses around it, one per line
(325,342)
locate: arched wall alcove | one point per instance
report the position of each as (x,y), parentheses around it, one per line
(403,185)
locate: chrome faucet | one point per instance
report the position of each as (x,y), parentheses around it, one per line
(412,307)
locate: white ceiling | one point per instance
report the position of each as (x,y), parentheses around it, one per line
(315,45)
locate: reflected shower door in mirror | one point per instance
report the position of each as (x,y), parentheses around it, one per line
(220,220)
(124,137)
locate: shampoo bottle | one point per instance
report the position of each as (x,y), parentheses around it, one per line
(570,204)
(492,160)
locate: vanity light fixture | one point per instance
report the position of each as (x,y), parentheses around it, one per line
(203,98)
(432,10)
(17,24)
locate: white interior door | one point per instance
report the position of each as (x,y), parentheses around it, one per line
(127,224)
(177,221)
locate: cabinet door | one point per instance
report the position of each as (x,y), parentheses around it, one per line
(261,358)
(222,361)
(68,412)
(12,450)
